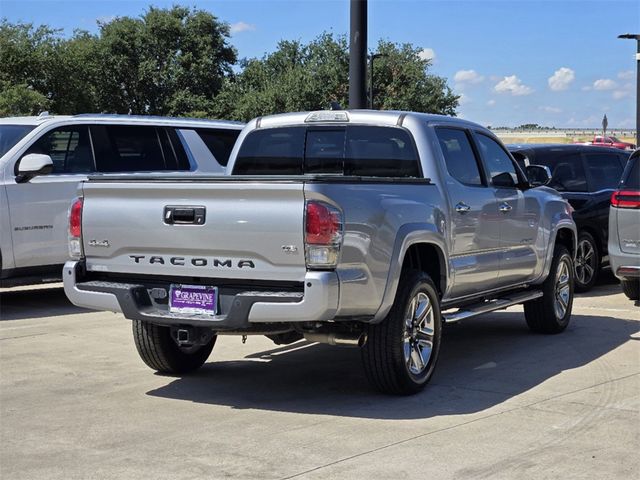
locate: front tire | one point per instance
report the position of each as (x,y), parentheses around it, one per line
(402,351)
(551,312)
(631,289)
(587,264)
(161,353)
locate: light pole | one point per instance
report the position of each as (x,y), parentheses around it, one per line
(636,37)
(372,57)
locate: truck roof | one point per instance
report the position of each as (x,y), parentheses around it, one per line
(384,117)
(123,119)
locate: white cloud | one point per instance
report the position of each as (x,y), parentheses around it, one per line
(604,84)
(103,19)
(467,76)
(626,75)
(464,99)
(561,79)
(620,94)
(549,109)
(512,85)
(491,103)
(427,54)
(241,27)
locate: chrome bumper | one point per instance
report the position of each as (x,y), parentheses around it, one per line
(318,302)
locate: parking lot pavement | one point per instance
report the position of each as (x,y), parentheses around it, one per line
(76,402)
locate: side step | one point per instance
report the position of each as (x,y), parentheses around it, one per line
(490,306)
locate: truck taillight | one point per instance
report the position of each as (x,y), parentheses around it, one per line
(323,234)
(626,199)
(75,229)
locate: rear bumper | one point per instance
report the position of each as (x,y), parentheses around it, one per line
(623,265)
(318,302)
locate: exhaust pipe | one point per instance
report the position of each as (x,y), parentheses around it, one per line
(340,339)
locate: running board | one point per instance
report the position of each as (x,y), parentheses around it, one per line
(490,306)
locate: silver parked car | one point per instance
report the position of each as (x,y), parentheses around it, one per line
(43,158)
(624,229)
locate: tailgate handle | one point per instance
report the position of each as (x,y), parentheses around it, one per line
(183,215)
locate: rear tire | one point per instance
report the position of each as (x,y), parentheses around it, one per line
(631,289)
(587,263)
(551,312)
(401,352)
(161,353)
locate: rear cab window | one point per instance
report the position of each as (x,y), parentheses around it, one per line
(353,150)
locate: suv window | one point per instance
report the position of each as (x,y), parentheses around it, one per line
(502,171)
(137,148)
(351,150)
(220,142)
(604,171)
(567,172)
(459,156)
(69,149)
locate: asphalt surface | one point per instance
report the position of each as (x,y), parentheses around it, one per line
(76,402)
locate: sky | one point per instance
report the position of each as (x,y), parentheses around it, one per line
(551,62)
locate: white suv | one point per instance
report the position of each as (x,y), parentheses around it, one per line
(43,158)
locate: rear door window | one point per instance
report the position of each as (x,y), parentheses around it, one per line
(459,156)
(604,171)
(137,148)
(69,149)
(352,150)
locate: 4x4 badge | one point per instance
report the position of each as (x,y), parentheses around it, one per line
(99,243)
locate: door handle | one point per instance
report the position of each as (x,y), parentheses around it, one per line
(184,215)
(462,207)
(505,207)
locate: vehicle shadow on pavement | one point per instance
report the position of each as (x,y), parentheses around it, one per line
(483,363)
(36,303)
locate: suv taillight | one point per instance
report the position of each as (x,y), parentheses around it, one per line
(323,235)
(626,199)
(75,229)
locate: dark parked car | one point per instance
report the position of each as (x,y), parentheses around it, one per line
(586,176)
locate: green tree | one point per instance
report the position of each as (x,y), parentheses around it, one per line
(168,61)
(309,77)
(20,100)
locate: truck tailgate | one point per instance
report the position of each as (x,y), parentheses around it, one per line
(250,230)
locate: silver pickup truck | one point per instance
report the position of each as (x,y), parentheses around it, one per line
(344,227)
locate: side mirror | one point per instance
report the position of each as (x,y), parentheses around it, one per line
(32,165)
(539,175)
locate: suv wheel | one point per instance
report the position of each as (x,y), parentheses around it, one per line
(401,352)
(160,352)
(631,289)
(551,312)
(587,265)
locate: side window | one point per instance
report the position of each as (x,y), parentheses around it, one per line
(502,171)
(631,180)
(129,148)
(276,151)
(220,142)
(567,173)
(604,171)
(68,147)
(459,156)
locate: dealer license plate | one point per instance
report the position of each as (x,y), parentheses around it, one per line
(198,299)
